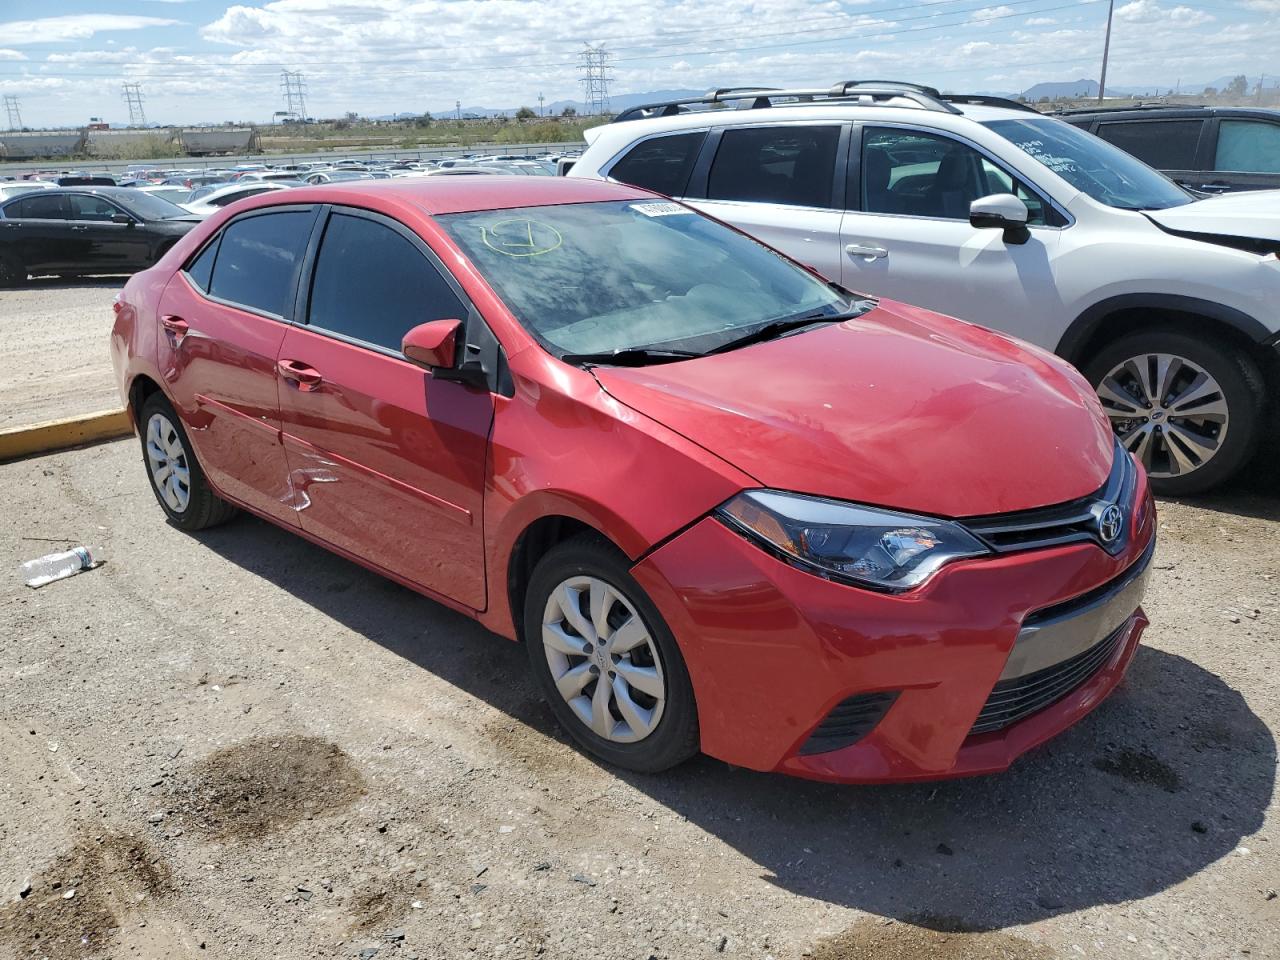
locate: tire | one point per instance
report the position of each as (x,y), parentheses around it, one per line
(191,506)
(12,272)
(1216,385)
(653,663)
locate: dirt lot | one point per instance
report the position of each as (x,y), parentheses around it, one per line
(53,350)
(238,745)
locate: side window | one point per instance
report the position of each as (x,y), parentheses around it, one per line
(200,269)
(920,174)
(38,207)
(661,164)
(85,206)
(372,284)
(1248,146)
(791,165)
(1163,144)
(258,259)
(999,181)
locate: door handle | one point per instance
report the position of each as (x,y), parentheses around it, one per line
(175,326)
(304,377)
(867,251)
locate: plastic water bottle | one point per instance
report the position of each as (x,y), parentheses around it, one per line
(59,566)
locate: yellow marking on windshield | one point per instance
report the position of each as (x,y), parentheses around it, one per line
(521,238)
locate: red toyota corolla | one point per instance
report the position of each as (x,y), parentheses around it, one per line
(726,505)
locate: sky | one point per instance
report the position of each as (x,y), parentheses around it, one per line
(210,60)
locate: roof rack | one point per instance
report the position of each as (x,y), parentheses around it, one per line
(881,93)
(1117,108)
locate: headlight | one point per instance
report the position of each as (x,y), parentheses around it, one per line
(844,541)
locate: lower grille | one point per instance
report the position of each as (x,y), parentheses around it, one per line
(849,721)
(1012,700)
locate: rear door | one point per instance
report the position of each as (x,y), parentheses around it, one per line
(225,317)
(1171,146)
(387,460)
(35,226)
(782,183)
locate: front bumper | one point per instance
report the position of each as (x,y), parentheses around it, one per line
(771,650)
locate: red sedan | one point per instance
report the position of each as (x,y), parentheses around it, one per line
(726,505)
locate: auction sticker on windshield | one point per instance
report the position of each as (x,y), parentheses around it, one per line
(659,208)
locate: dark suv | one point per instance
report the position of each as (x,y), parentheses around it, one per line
(1214,149)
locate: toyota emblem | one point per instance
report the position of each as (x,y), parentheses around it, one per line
(1110,522)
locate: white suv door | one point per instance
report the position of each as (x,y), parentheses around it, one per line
(906,234)
(782,183)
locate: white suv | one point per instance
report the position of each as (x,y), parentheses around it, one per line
(986,210)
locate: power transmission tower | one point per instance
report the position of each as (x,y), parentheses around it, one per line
(294,89)
(11,108)
(596,75)
(132,93)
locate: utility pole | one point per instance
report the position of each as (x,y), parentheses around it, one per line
(132,93)
(11,108)
(595,79)
(457,106)
(1106,51)
(541,112)
(294,89)
(1262,82)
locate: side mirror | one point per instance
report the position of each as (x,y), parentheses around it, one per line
(1001,211)
(433,345)
(122,218)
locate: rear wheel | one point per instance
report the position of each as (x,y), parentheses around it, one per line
(1189,408)
(607,663)
(175,474)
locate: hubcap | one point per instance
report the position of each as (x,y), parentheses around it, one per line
(603,660)
(1167,411)
(168,463)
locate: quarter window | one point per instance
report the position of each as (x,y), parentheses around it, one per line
(258,259)
(373,284)
(661,164)
(201,269)
(1248,146)
(1163,144)
(791,165)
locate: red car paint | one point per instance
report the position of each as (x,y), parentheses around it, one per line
(433,483)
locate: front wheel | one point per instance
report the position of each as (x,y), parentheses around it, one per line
(1189,408)
(607,663)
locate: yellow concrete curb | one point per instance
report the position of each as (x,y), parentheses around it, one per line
(19,442)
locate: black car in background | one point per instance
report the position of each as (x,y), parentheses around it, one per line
(70,232)
(1213,149)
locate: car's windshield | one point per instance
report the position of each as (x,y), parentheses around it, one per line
(604,277)
(1093,166)
(147,206)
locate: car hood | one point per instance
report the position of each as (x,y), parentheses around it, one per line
(899,408)
(1248,213)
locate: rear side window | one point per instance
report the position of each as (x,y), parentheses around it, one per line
(38,207)
(791,165)
(373,284)
(258,260)
(1248,146)
(1163,144)
(661,164)
(201,269)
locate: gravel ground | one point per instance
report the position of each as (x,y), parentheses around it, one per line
(238,745)
(53,349)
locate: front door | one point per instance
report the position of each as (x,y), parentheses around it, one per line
(387,462)
(224,319)
(907,235)
(111,247)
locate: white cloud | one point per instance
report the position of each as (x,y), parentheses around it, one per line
(989,13)
(80,26)
(1040,21)
(12,54)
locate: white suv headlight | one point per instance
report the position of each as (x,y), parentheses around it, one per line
(844,541)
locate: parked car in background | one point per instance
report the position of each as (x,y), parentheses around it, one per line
(984,209)
(268,176)
(337,176)
(86,180)
(602,423)
(174,194)
(1211,149)
(75,231)
(16,188)
(209,200)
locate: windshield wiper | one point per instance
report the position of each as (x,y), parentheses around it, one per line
(776,328)
(630,357)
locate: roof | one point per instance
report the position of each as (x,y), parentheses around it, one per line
(442,195)
(1172,111)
